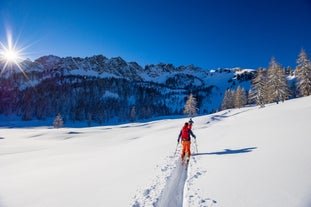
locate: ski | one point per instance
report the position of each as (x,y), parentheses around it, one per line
(185,161)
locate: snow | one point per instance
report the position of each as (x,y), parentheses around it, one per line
(241,71)
(246,157)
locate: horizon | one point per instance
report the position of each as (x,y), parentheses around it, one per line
(197,66)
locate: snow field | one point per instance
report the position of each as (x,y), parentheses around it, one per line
(246,157)
(257,157)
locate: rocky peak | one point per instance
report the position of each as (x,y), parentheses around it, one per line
(48,62)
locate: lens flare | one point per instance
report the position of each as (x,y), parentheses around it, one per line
(11,55)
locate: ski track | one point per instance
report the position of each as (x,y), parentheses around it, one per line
(173,186)
(151,195)
(173,193)
(168,187)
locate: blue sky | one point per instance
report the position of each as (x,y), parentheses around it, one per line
(206,33)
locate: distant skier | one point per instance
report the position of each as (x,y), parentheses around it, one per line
(190,123)
(185,135)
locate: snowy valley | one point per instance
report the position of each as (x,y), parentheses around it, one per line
(246,157)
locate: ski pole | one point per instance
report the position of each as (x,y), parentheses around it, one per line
(176,149)
(196,145)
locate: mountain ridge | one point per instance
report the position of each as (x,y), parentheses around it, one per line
(76,86)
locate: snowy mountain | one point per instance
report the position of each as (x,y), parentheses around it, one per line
(78,87)
(245,157)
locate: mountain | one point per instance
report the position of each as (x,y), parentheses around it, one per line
(248,157)
(103,90)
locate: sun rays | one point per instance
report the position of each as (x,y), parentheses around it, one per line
(11,55)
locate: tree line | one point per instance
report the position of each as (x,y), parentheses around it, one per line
(272,85)
(90,99)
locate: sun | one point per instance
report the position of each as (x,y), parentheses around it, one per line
(11,55)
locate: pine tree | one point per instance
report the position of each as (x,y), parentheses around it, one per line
(191,106)
(303,74)
(58,121)
(278,88)
(228,100)
(250,97)
(240,99)
(259,88)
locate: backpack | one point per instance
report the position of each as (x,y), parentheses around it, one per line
(185,133)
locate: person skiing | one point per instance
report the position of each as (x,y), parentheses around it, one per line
(185,135)
(190,123)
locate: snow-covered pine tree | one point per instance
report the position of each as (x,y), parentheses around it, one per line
(240,99)
(250,96)
(58,121)
(303,74)
(259,88)
(228,100)
(278,88)
(191,106)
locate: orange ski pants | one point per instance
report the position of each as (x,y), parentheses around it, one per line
(185,148)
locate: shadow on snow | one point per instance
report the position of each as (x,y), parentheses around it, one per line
(225,114)
(227,152)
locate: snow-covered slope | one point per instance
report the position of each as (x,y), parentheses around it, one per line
(246,157)
(254,157)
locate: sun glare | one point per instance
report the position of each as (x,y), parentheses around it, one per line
(10,55)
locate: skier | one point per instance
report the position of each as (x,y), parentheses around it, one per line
(185,134)
(190,123)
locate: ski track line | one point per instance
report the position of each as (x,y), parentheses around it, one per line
(150,195)
(172,187)
(173,193)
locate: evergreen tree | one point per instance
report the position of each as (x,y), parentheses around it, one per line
(250,99)
(58,121)
(303,74)
(240,99)
(228,100)
(278,88)
(191,106)
(259,88)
